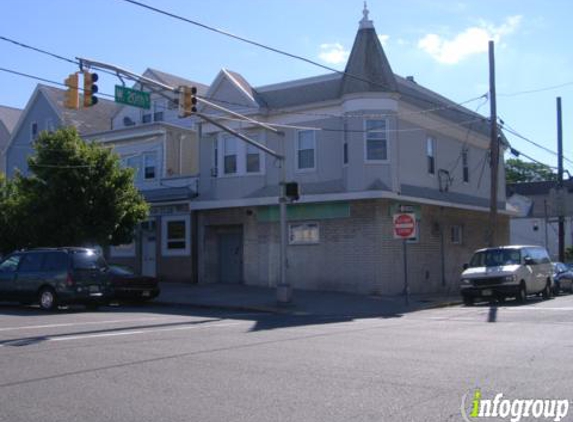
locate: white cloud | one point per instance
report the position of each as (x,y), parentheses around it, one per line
(384,39)
(333,53)
(473,40)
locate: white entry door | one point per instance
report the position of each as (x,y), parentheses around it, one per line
(148,254)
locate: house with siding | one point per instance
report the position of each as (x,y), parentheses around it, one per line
(8,118)
(362,145)
(163,150)
(45,111)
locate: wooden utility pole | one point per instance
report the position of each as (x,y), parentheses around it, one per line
(561,194)
(494,150)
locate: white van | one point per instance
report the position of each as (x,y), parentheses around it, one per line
(507,271)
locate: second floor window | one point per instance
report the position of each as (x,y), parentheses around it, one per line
(253,159)
(376,140)
(134,163)
(431,154)
(230,155)
(465,166)
(305,150)
(149,166)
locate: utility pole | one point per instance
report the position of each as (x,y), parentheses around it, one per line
(494,149)
(561,194)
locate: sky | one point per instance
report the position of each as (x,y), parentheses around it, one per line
(443,44)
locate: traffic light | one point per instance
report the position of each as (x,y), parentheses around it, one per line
(72,95)
(90,88)
(292,191)
(187,100)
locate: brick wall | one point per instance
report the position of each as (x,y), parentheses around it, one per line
(356,254)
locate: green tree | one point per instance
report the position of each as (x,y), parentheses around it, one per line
(517,171)
(77,194)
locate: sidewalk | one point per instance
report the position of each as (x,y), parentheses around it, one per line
(304,302)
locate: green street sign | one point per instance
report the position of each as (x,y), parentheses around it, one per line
(132,97)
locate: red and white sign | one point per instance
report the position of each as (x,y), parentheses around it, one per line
(404,226)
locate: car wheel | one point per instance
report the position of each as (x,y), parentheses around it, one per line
(571,287)
(546,292)
(468,300)
(556,290)
(48,299)
(92,307)
(522,294)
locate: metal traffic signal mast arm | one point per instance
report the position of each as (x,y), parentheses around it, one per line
(284,289)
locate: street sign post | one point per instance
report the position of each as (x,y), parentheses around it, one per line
(132,97)
(405,228)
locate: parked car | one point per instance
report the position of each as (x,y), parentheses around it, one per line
(55,276)
(507,271)
(130,286)
(562,278)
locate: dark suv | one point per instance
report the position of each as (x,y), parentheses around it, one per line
(52,277)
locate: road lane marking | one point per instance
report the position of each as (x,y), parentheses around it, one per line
(74,324)
(64,337)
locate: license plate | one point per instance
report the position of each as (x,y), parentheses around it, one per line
(94,289)
(486,292)
(146,293)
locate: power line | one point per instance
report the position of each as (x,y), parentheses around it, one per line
(248,41)
(532,91)
(509,129)
(38,78)
(429,110)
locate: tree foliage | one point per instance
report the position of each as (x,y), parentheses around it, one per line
(518,171)
(76,194)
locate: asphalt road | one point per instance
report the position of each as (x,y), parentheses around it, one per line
(157,363)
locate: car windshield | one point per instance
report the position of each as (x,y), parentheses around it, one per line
(88,260)
(496,258)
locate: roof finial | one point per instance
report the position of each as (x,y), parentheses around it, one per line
(365,22)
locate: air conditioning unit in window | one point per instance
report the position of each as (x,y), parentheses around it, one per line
(214,172)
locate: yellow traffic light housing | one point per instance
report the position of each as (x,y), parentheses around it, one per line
(72,95)
(90,88)
(187,100)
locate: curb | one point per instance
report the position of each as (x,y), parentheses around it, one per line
(261,309)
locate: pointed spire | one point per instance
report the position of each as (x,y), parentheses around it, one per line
(368,63)
(365,22)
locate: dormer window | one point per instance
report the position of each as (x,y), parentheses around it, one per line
(156,113)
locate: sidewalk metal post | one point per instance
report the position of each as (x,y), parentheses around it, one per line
(284,290)
(406,286)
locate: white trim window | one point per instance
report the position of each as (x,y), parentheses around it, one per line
(134,162)
(230,155)
(235,157)
(156,113)
(431,154)
(304,233)
(465,166)
(252,159)
(376,140)
(176,235)
(456,235)
(305,150)
(150,166)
